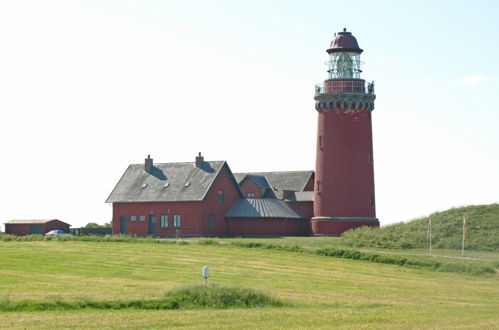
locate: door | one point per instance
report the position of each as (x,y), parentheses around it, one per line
(123,225)
(35,229)
(152,225)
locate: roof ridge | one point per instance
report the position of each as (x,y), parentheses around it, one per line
(295,171)
(206,161)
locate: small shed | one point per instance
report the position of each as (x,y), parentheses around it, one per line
(34,227)
(265,217)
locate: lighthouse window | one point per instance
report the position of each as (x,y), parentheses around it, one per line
(370,158)
(372,201)
(318,186)
(321,141)
(345,66)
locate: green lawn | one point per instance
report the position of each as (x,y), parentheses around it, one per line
(323,291)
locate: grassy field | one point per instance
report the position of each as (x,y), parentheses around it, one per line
(322,291)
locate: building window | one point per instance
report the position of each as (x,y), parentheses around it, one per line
(211,222)
(133,218)
(221,196)
(164,221)
(142,218)
(370,158)
(321,141)
(372,201)
(318,186)
(176,220)
(251,195)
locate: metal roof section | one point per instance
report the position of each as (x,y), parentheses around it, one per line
(167,182)
(301,196)
(261,208)
(279,181)
(32,221)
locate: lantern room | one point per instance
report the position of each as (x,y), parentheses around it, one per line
(344,57)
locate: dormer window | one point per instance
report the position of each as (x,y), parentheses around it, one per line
(144,185)
(187,184)
(251,195)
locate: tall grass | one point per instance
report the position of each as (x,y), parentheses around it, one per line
(426,263)
(191,297)
(215,296)
(447,226)
(90,238)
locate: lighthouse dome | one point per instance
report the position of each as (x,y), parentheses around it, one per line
(344,42)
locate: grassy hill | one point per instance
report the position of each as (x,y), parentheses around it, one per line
(482,231)
(319,292)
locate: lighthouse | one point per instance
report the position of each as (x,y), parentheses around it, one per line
(344,174)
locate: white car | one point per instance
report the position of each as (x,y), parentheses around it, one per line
(57,233)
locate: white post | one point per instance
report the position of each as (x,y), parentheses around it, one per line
(464,234)
(206,273)
(429,231)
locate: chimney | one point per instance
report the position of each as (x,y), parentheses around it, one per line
(148,163)
(199,160)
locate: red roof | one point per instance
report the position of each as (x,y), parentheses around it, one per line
(344,42)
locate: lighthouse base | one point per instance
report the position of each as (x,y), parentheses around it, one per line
(335,226)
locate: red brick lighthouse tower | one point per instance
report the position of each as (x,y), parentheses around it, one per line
(344,174)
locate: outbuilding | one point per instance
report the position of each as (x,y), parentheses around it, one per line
(35,227)
(265,216)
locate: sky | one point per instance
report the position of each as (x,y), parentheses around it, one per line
(88,87)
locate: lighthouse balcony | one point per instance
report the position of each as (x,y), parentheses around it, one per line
(340,86)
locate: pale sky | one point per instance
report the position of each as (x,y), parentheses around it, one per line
(88,87)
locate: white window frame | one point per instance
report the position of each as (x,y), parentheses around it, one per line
(142,218)
(133,218)
(163,220)
(177,220)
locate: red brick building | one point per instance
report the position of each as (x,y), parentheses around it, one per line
(34,227)
(204,198)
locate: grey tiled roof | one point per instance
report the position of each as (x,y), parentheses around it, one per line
(286,180)
(166,182)
(259,180)
(301,196)
(261,208)
(30,221)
